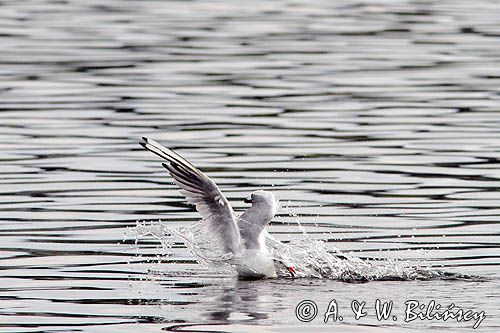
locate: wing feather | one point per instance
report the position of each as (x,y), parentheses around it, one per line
(251,225)
(202,192)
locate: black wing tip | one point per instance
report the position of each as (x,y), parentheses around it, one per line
(144,141)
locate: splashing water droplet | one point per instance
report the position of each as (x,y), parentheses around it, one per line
(310,258)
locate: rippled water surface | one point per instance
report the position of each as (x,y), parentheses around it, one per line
(377,123)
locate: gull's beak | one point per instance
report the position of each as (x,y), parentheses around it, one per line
(248,200)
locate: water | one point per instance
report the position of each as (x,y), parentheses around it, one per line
(375,122)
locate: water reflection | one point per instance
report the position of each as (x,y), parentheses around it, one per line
(238,299)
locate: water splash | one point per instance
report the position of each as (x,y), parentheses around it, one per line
(313,259)
(205,249)
(310,258)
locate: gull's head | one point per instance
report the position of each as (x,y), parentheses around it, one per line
(262,197)
(264,201)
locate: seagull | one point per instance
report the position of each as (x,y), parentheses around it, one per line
(243,237)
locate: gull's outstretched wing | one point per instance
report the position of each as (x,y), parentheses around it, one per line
(203,193)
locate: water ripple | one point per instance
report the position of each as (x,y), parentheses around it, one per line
(376,123)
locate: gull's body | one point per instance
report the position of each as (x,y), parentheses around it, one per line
(244,237)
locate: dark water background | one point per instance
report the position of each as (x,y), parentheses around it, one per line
(377,123)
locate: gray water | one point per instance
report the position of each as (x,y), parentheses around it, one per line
(377,123)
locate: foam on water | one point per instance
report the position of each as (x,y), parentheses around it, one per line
(310,258)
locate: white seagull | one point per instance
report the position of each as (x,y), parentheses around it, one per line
(243,237)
